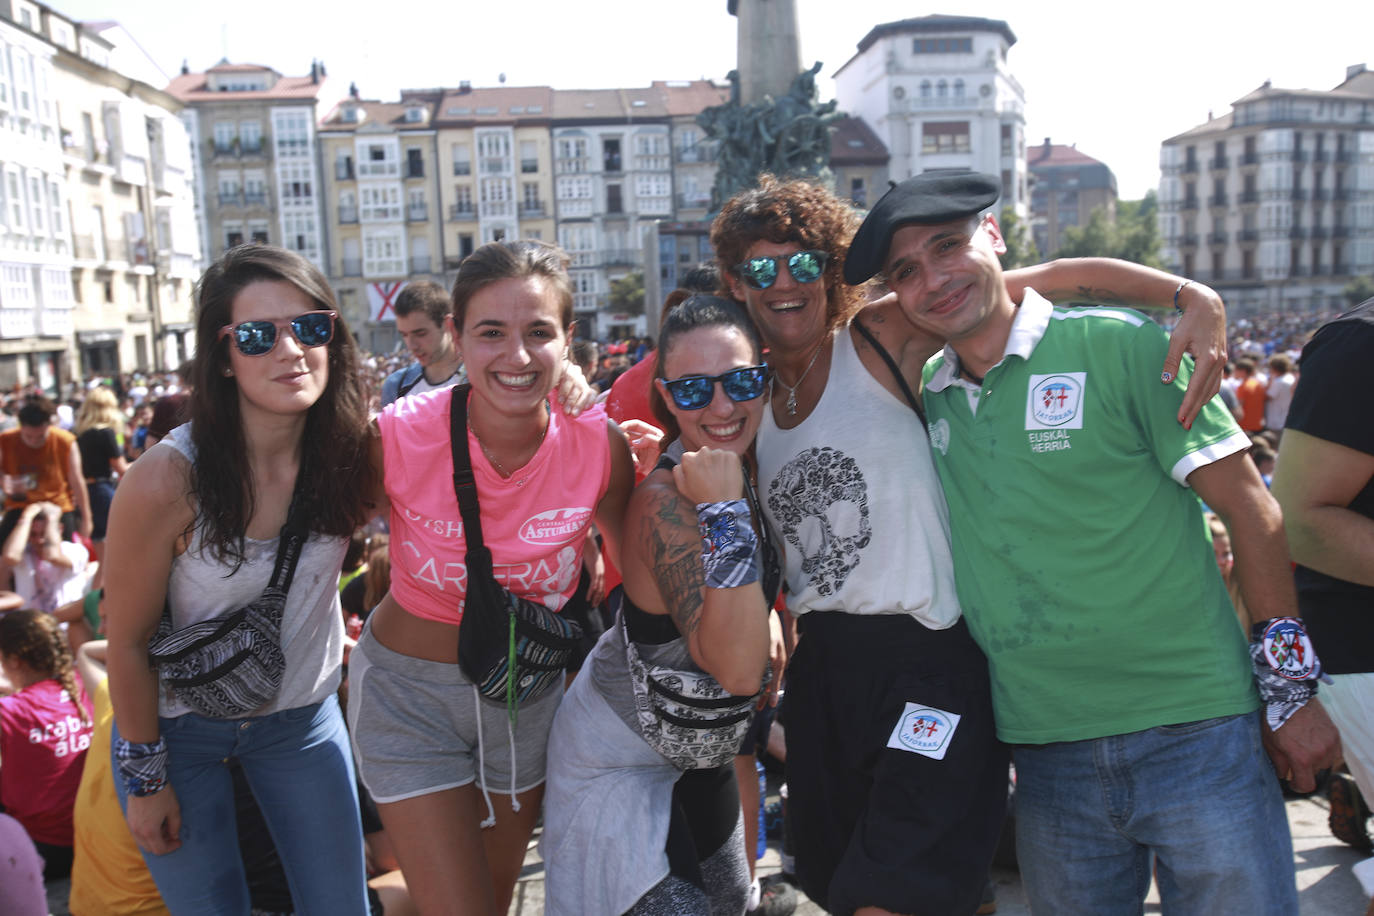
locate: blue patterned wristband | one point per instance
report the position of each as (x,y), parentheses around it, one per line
(729,554)
(143,767)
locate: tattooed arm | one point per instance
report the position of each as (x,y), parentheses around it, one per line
(726,628)
(1201,331)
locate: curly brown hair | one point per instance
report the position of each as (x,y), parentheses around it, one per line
(791,211)
(334,447)
(33,638)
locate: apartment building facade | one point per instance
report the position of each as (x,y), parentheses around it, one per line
(98,244)
(255,154)
(1273,202)
(1066,187)
(939,94)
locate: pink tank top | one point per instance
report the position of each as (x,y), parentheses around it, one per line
(534,523)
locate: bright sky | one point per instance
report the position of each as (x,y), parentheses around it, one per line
(1114,79)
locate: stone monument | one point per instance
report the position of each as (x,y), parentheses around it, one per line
(773,122)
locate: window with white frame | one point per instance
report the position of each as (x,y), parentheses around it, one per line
(380,202)
(462,159)
(291,132)
(462,196)
(37,218)
(384,254)
(233,233)
(255,188)
(224,136)
(572,154)
(493,152)
(42,74)
(575,187)
(296,182)
(229,182)
(14,191)
(579,241)
(495,196)
(529,157)
(250,136)
(55,208)
(584,289)
(653,194)
(57,288)
(379,159)
(21,67)
(301,234)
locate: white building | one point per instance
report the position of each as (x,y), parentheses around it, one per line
(1273,203)
(939,94)
(36,299)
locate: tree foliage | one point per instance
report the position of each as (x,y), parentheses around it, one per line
(627,294)
(1358,290)
(1133,236)
(1021,250)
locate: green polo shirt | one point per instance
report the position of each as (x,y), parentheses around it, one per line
(1081,556)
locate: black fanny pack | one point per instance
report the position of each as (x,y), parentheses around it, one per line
(512,649)
(232,665)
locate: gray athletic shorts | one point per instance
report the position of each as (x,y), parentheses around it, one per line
(414,727)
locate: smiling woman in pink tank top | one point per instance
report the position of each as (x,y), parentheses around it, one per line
(428,745)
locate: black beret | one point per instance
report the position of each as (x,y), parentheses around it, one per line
(929,198)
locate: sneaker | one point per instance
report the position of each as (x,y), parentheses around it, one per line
(778,898)
(988,904)
(1349,817)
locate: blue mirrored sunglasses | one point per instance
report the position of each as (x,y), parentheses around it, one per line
(693,392)
(804,266)
(258,338)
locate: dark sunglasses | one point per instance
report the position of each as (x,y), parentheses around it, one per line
(693,392)
(804,266)
(258,338)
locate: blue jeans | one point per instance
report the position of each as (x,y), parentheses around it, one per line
(1200,796)
(298,764)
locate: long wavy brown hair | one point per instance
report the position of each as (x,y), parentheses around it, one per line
(334,447)
(791,211)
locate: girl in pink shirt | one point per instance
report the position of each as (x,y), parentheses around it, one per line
(427,744)
(45,728)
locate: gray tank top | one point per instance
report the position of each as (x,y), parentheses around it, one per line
(312,624)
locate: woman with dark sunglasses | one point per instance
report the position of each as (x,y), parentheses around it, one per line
(642,813)
(277,407)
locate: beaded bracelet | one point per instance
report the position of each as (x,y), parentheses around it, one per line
(729,554)
(143,767)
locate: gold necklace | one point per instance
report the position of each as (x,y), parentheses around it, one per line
(791,404)
(500,468)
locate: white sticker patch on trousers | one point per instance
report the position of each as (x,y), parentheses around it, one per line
(924,730)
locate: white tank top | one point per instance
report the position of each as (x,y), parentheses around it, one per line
(311,624)
(854,495)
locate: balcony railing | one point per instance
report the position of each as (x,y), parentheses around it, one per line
(1248,197)
(1217,238)
(255,198)
(1321,155)
(616,257)
(1299,194)
(1319,194)
(691,201)
(1340,193)
(1319,233)
(1217,200)
(1189,203)
(1299,155)
(380,169)
(415,170)
(417,213)
(1248,235)
(462,211)
(532,209)
(1249,159)
(419,264)
(251,149)
(1190,166)
(529,166)
(351,267)
(1219,162)
(348,214)
(343,171)
(1340,232)
(697,153)
(1297,232)
(230,199)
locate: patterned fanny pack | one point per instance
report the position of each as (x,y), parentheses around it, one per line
(686,715)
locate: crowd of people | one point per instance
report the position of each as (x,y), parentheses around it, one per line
(301,629)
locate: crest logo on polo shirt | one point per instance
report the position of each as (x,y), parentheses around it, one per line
(924,730)
(1055,401)
(556,526)
(939,435)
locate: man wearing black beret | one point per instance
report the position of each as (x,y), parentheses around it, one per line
(1084,572)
